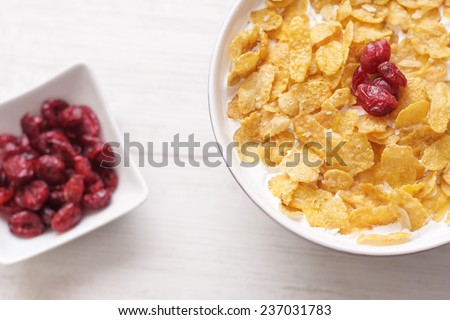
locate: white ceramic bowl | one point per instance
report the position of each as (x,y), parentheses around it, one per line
(77,86)
(253,181)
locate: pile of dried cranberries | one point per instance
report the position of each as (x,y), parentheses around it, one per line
(57,168)
(377,93)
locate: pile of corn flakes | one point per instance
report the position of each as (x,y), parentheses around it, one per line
(293,86)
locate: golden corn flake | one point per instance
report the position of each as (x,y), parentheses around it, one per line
(288,103)
(400,166)
(267,19)
(356,153)
(370,13)
(411,4)
(321,32)
(439,115)
(276,148)
(418,215)
(243,42)
(279,3)
(255,91)
(367,217)
(413,114)
(398,16)
(429,4)
(321,208)
(428,186)
(233,109)
(340,98)
(344,10)
(445,187)
(302,165)
(384,240)
(335,180)
(368,32)
(318,5)
(273,123)
(437,204)
(243,66)
(418,138)
(365,194)
(329,58)
(283,187)
(344,123)
(368,123)
(446,174)
(301,50)
(310,95)
(290,212)
(437,156)
(431,38)
(247,149)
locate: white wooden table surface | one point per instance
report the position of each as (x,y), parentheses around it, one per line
(198,236)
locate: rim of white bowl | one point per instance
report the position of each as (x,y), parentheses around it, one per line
(215,114)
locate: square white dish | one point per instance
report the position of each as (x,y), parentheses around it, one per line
(76,85)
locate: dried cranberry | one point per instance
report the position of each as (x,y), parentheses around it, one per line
(376,101)
(359,77)
(74,189)
(94,183)
(33,196)
(374,54)
(19,170)
(6,194)
(47,215)
(110,178)
(89,141)
(3,179)
(392,74)
(30,155)
(51,109)
(71,117)
(102,154)
(82,166)
(32,125)
(7,138)
(56,143)
(24,144)
(381,82)
(9,150)
(56,198)
(89,124)
(26,224)
(51,169)
(66,218)
(10,208)
(97,200)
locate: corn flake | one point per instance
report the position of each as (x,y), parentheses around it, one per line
(267,19)
(321,208)
(413,114)
(439,115)
(437,156)
(370,13)
(302,166)
(255,91)
(400,166)
(418,215)
(367,217)
(384,240)
(335,180)
(283,187)
(301,50)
